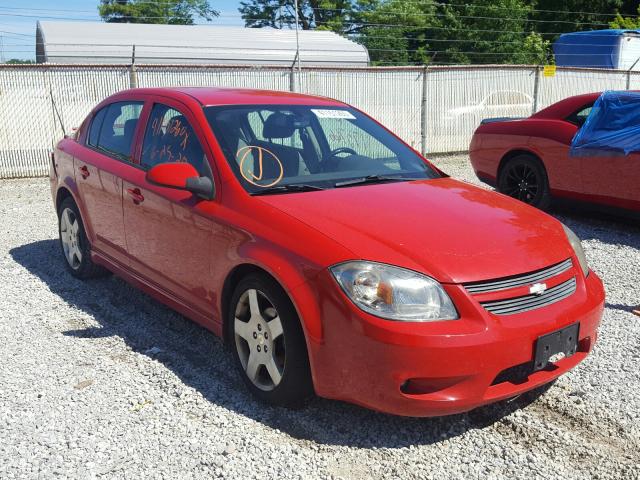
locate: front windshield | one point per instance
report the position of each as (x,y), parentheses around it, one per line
(284,146)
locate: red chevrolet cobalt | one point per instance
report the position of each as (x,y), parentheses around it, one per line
(329,255)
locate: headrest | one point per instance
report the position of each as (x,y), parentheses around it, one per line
(130,127)
(278,125)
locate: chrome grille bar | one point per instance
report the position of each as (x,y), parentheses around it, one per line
(520,280)
(530,302)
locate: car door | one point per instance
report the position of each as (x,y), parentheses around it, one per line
(168,241)
(99,166)
(610,178)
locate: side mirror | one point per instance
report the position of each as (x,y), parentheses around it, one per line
(181,176)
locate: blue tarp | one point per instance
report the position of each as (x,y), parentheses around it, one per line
(594,48)
(612,126)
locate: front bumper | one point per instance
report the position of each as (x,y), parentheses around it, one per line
(452,366)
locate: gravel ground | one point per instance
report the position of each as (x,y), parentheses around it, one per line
(99,380)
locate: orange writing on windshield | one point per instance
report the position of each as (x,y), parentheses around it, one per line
(252,176)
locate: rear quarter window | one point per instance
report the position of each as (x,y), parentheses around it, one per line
(580,116)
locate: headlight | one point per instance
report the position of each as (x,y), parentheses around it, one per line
(394,293)
(577,247)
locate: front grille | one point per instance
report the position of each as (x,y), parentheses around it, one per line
(519,280)
(530,302)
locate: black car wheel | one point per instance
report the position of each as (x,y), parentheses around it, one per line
(524,178)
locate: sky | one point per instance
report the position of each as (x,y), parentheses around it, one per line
(18,20)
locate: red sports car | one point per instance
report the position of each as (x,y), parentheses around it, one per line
(330,256)
(534,160)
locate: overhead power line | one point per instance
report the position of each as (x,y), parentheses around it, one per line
(488,7)
(388,13)
(348,23)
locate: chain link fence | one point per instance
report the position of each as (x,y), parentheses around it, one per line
(434,109)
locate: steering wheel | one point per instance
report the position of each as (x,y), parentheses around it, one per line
(340,150)
(331,162)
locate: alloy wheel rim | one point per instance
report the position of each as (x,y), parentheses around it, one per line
(70,238)
(522,183)
(259,339)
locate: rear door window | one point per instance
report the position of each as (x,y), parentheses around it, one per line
(170,138)
(117,125)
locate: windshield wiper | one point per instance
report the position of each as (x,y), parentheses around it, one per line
(295,187)
(372,179)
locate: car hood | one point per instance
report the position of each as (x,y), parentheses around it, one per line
(450,230)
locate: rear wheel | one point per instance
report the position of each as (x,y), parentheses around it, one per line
(268,342)
(74,242)
(524,178)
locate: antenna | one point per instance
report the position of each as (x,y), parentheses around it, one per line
(56,112)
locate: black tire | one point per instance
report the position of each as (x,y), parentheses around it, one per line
(524,178)
(295,385)
(82,267)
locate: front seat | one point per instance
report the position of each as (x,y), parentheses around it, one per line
(279,125)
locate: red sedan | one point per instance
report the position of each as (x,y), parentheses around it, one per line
(530,159)
(328,254)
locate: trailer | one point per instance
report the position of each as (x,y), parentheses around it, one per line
(612,49)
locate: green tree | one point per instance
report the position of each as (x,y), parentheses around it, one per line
(312,14)
(396,31)
(445,31)
(489,31)
(535,50)
(173,12)
(551,18)
(18,61)
(628,23)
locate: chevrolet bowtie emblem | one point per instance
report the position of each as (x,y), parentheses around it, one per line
(538,288)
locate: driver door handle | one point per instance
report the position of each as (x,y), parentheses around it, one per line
(136,195)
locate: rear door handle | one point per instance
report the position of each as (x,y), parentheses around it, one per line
(136,195)
(84,171)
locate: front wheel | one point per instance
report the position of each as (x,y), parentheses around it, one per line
(524,178)
(268,342)
(74,242)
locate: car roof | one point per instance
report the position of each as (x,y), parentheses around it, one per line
(566,107)
(237,96)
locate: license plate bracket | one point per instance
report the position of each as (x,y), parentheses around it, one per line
(563,343)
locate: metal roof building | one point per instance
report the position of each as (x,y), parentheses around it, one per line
(113,43)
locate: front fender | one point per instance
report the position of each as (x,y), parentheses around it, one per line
(294,274)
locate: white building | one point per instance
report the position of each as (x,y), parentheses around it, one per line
(113,43)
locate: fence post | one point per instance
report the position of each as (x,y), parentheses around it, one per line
(423,112)
(133,73)
(629,73)
(536,88)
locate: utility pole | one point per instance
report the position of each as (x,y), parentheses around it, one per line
(133,73)
(298,46)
